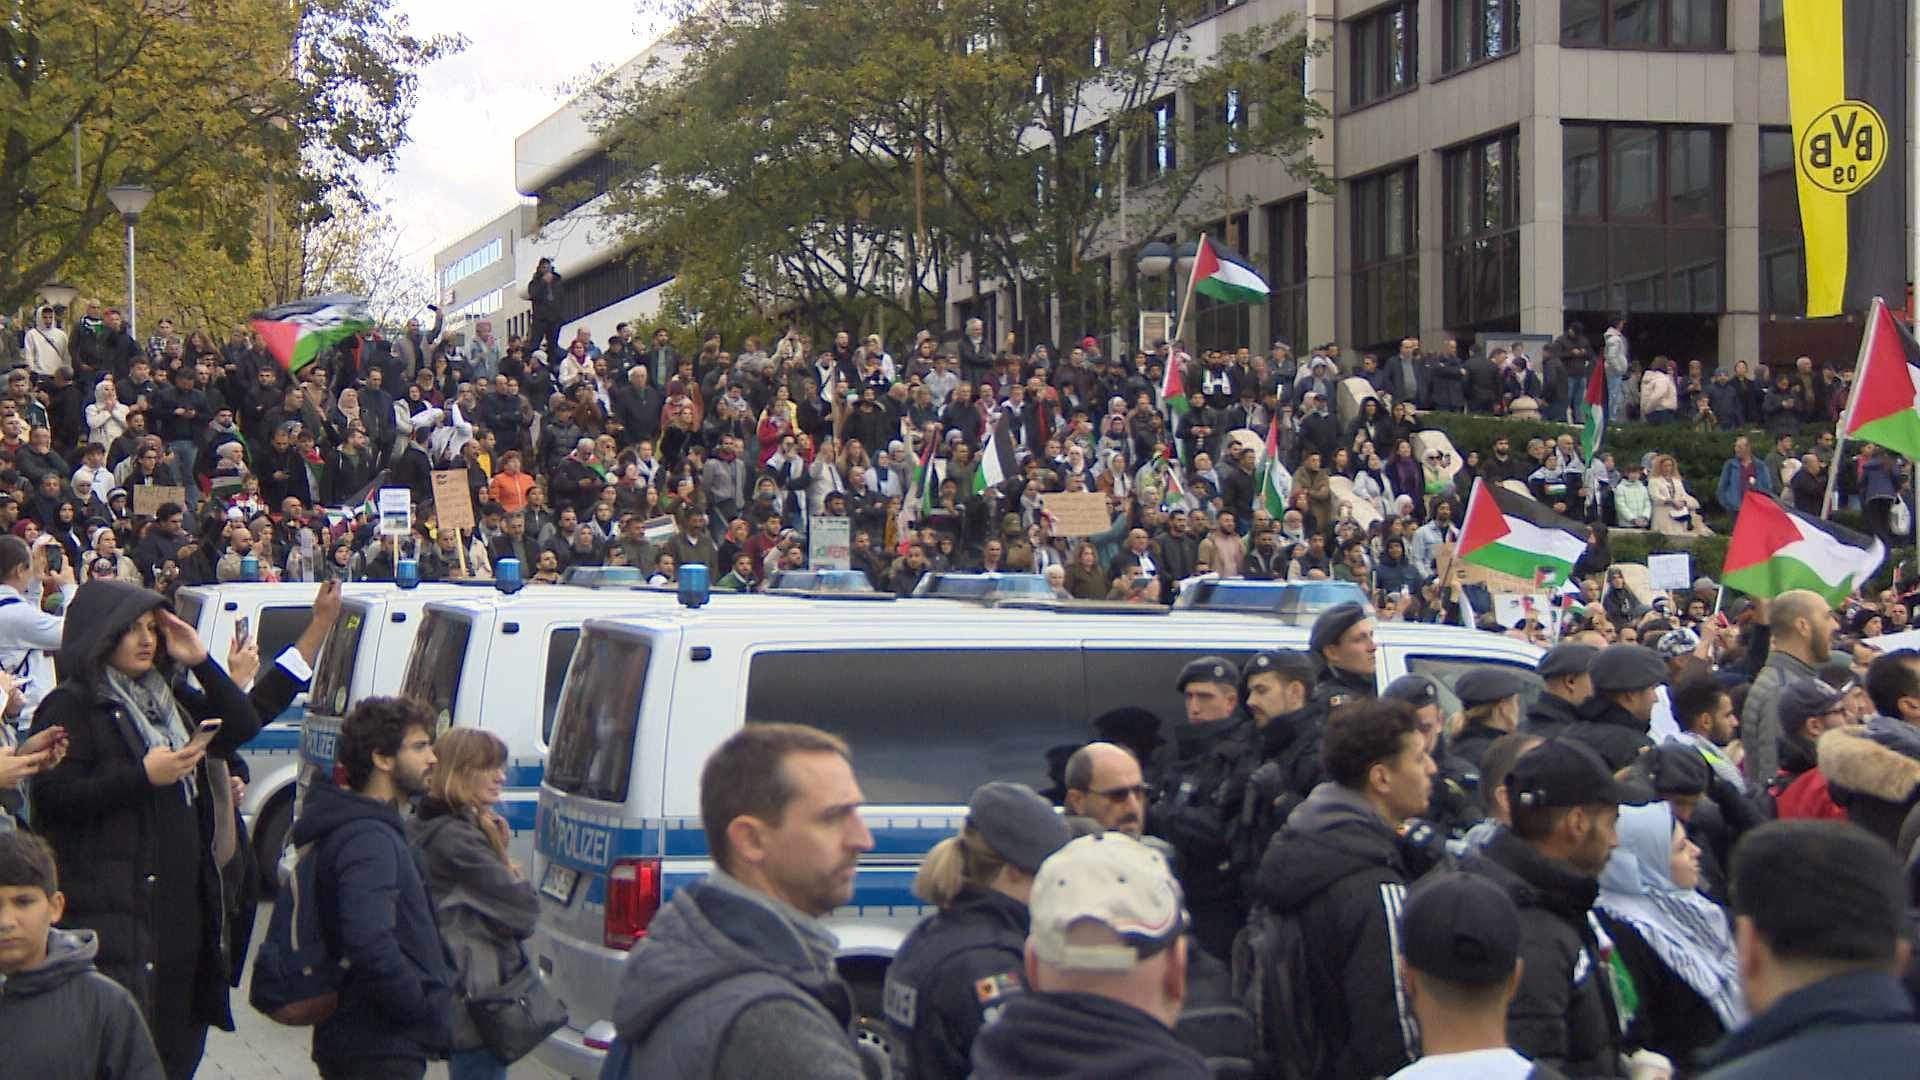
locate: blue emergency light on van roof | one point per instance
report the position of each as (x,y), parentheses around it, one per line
(506,576)
(693,586)
(1296,601)
(406,573)
(982,586)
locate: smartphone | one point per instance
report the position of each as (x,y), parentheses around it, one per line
(204,736)
(1720,619)
(243,629)
(56,558)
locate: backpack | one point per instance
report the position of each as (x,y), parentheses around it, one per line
(1272,976)
(296,976)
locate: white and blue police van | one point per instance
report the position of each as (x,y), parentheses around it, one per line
(933,699)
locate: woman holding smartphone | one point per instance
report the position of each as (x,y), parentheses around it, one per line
(137,812)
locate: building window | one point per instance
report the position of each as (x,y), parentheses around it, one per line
(1227,115)
(1385,284)
(472,262)
(482,306)
(1645,217)
(1287,272)
(578,186)
(607,284)
(1478,30)
(1384,57)
(1783,251)
(1157,151)
(1773,26)
(1481,229)
(1644,24)
(1223,324)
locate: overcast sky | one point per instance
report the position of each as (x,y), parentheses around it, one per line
(522,61)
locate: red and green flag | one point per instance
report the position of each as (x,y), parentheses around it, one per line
(1593,413)
(1276,483)
(300,332)
(1222,275)
(1884,407)
(1511,534)
(1774,549)
(1173,384)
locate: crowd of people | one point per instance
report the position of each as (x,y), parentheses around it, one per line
(1577,874)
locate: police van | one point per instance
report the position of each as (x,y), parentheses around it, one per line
(934,699)
(480,658)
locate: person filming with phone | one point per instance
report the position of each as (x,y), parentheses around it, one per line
(138,812)
(28,635)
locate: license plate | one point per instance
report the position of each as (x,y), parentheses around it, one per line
(559,881)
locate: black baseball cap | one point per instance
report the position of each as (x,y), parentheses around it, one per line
(1415,690)
(1461,928)
(1565,772)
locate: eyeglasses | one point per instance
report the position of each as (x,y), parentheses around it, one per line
(1119,794)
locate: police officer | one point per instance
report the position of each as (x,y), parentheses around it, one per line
(1453,806)
(1616,719)
(1341,642)
(959,964)
(1490,701)
(1276,686)
(1566,686)
(1199,793)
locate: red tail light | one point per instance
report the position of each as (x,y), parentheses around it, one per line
(633,898)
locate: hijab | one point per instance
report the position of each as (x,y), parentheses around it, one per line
(1687,931)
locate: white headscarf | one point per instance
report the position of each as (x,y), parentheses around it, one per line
(1687,931)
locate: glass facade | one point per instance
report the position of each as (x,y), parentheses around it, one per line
(1384,54)
(1384,287)
(1645,217)
(1481,231)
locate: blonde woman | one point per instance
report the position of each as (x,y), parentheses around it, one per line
(486,906)
(980,880)
(1675,513)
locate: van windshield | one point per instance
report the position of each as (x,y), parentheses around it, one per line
(187,606)
(599,712)
(433,671)
(333,675)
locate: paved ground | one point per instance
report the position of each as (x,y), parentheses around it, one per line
(262,1049)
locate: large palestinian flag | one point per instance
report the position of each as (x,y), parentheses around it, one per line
(1512,534)
(1593,413)
(1220,274)
(1847,71)
(299,332)
(1884,407)
(1774,549)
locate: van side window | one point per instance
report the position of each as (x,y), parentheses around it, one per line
(560,646)
(1143,678)
(598,714)
(333,675)
(433,671)
(277,628)
(927,726)
(1446,670)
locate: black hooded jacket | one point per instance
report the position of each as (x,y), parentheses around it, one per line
(136,860)
(1564,1015)
(1069,1036)
(1550,715)
(1337,868)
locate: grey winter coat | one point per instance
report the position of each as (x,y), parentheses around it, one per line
(733,985)
(485,910)
(64,1020)
(1760,716)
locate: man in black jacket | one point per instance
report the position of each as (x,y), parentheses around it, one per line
(1278,684)
(1615,720)
(1197,795)
(1341,643)
(1565,804)
(396,1006)
(637,407)
(1567,684)
(543,293)
(1338,869)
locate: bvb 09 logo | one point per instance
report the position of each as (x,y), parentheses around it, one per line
(1842,150)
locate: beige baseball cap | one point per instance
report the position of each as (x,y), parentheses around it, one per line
(1115,881)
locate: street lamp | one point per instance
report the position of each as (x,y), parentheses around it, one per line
(59,295)
(130,200)
(1155,258)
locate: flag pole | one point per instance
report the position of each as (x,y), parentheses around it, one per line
(1846,415)
(1180,327)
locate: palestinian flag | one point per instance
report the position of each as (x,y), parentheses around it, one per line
(1220,274)
(1847,72)
(1884,407)
(1173,384)
(298,333)
(1774,549)
(1276,483)
(926,481)
(1512,534)
(997,462)
(1593,413)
